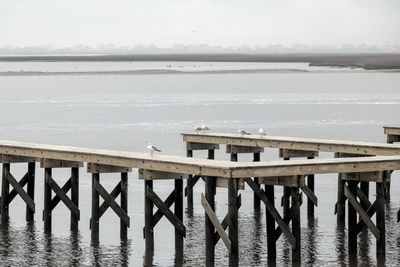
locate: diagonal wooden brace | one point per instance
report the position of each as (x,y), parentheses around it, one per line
(370,211)
(22,183)
(114,194)
(224,222)
(158,215)
(310,194)
(271,209)
(195,179)
(56,199)
(28,200)
(363,214)
(112,203)
(177,223)
(214,219)
(63,196)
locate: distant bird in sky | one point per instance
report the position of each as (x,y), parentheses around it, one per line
(243,132)
(202,128)
(152,148)
(261,131)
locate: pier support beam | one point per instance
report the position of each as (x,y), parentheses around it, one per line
(233,222)
(8,179)
(151,199)
(365,209)
(209,192)
(109,198)
(50,185)
(191,180)
(256,199)
(296,230)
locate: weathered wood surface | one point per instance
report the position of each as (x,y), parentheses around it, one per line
(204,167)
(395,130)
(295,143)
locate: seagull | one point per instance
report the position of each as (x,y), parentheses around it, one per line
(201,128)
(152,148)
(243,132)
(261,132)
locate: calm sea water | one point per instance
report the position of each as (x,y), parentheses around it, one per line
(125,112)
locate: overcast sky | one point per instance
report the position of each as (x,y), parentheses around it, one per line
(213,22)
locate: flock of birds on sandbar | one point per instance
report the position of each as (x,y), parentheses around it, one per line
(203,129)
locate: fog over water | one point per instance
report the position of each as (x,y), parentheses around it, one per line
(124,112)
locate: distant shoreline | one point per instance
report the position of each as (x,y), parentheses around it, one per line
(365,61)
(168,72)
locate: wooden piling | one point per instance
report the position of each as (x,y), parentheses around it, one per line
(340,204)
(189,188)
(178,210)
(233,222)
(124,204)
(30,189)
(256,198)
(380,220)
(271,239)
(296,226)
(209,227)
(5,188)
(310,204)
(234,157)
(74,197)
(352,220)
(47,201)
(148,217)
(286,200)
(95,208)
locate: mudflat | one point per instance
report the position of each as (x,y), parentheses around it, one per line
(365,61)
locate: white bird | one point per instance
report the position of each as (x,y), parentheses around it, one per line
(201,128)
(243,132)
(152,148)
(261,132)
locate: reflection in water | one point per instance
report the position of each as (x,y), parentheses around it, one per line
(310,238)
(340,245)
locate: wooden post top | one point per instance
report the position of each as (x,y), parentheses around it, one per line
(393,130)
(295,143)
(203,167)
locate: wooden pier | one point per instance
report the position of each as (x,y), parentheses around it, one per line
(355,162)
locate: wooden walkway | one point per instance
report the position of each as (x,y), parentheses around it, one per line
(216,173)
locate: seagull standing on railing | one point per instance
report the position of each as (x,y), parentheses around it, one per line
(261,132)
(152,148)
(243,132)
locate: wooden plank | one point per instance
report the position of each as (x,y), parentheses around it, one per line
(375,176)
(28,200)
(395,130)
(271,209)
(211,215)
(364,216)
(233,149)
(223,182)
(64,198)
(203,167)
(168,202)
(293,153)
(310,144)
(113,204)
(17,159)
(177,223)
(315,166)
(290,181)
(101,168)
(201,146)
(157,175)
(54,163)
